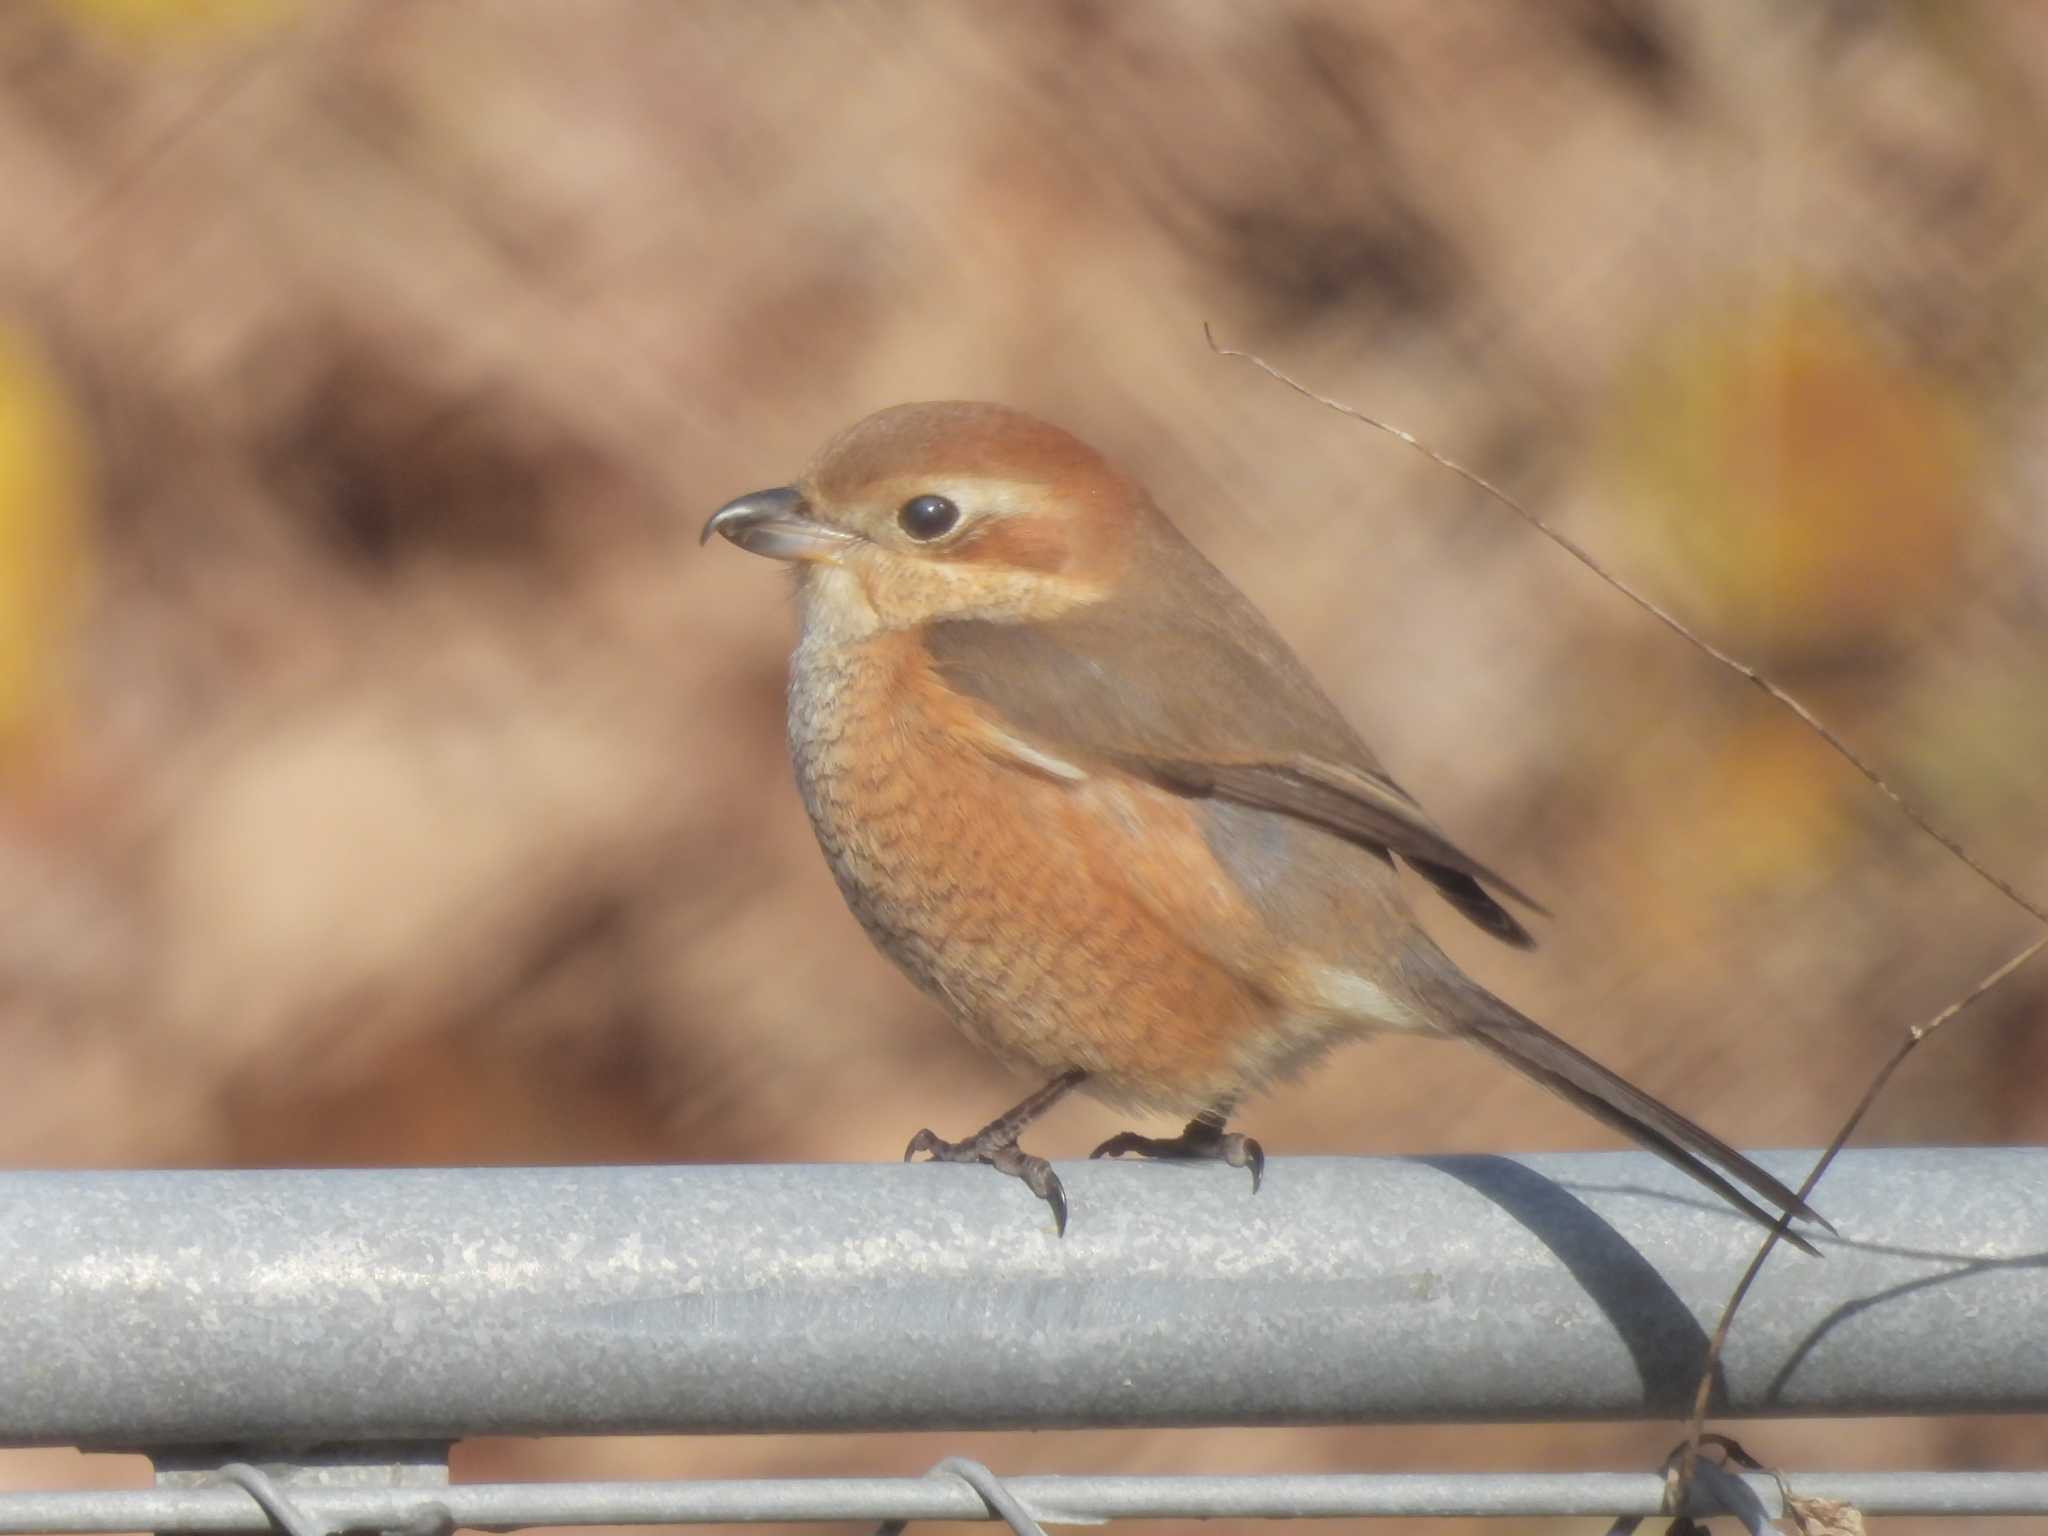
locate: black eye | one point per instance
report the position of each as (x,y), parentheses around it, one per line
(927,517)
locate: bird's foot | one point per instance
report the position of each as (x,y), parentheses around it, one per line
(1204,1140)
(1001,1153)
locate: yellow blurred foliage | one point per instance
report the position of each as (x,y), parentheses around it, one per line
(43,554)
(1978,741)
(1769,811)
(155,21)
(1808,487)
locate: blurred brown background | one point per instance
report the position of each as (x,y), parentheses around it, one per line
(386,777)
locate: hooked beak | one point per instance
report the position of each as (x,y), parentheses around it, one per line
(778,524)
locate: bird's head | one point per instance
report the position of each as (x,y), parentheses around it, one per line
(947,510)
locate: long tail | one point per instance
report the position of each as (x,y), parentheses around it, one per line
(1479,1016)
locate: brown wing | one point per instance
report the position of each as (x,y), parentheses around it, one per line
(1359,807)
(1183,682)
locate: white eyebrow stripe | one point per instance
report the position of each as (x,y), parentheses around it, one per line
(989,498)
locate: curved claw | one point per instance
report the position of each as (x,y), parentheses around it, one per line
(1003,1156)
(1202,1141)
(1054,1195)
(1037,1176)
(1249,1155)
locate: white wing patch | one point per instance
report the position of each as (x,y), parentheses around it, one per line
(999,743)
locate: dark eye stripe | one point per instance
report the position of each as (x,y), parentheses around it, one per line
(927,517)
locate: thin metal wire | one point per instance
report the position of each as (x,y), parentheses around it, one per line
(1050,1500)
(1714,1487)
(284,1514)
(1002,1503)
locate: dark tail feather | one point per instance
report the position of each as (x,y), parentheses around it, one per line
(1473,899)
(1570,1073)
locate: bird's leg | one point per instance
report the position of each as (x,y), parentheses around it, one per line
(1203,1140)
(996,1145)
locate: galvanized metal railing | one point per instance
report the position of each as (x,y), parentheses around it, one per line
(230,1314)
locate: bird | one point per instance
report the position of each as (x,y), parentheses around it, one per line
(1081,791)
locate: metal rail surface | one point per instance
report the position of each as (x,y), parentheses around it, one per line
(156,1310)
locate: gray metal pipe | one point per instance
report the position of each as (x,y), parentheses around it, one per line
(162,1309)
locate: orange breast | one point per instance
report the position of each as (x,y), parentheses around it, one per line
(1064,924)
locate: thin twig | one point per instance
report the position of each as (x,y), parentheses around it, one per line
(212,98)
(1663,616)
(1683,1475)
